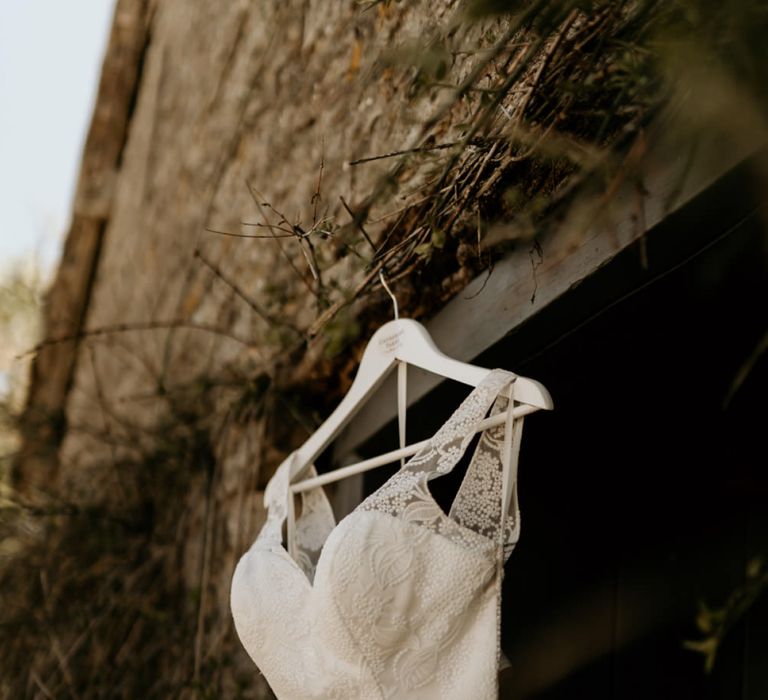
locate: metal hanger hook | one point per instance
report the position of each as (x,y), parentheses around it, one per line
(389,291)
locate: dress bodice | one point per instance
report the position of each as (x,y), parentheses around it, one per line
(399,599)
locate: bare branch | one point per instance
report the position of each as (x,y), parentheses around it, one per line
(393,154)
(142,326)
(248,235)
(265,315)
(357,219)
(257,200)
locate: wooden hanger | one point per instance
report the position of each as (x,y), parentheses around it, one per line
(400,342)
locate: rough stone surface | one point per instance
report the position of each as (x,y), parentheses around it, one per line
(237,104)
(188,348)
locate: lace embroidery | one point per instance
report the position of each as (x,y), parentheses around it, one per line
(312,527)
(404,602)
(406,597)
(475,515)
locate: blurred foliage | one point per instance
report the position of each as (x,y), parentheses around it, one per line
(340,332)
(21,292)
(94,596)
(557,94)
(715,623)
(81,590)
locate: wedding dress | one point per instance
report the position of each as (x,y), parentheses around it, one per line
(399,599)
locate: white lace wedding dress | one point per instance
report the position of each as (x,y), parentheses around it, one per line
(399,600)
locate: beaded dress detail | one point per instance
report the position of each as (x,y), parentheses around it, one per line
(399,599)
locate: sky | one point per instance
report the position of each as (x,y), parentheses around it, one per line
(50,61)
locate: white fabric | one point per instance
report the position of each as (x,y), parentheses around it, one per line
(399,600)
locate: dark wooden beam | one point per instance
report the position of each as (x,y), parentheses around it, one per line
(66,306)
(523,284)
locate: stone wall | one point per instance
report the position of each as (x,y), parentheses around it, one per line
(250,169)
(227,113)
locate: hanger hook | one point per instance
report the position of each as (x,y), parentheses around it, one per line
(389,291)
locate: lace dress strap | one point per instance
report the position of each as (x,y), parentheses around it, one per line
(476,518)
(449,443)
(483,483)
(313,525)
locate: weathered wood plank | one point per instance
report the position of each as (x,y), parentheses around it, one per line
(492,306)
(67,300)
